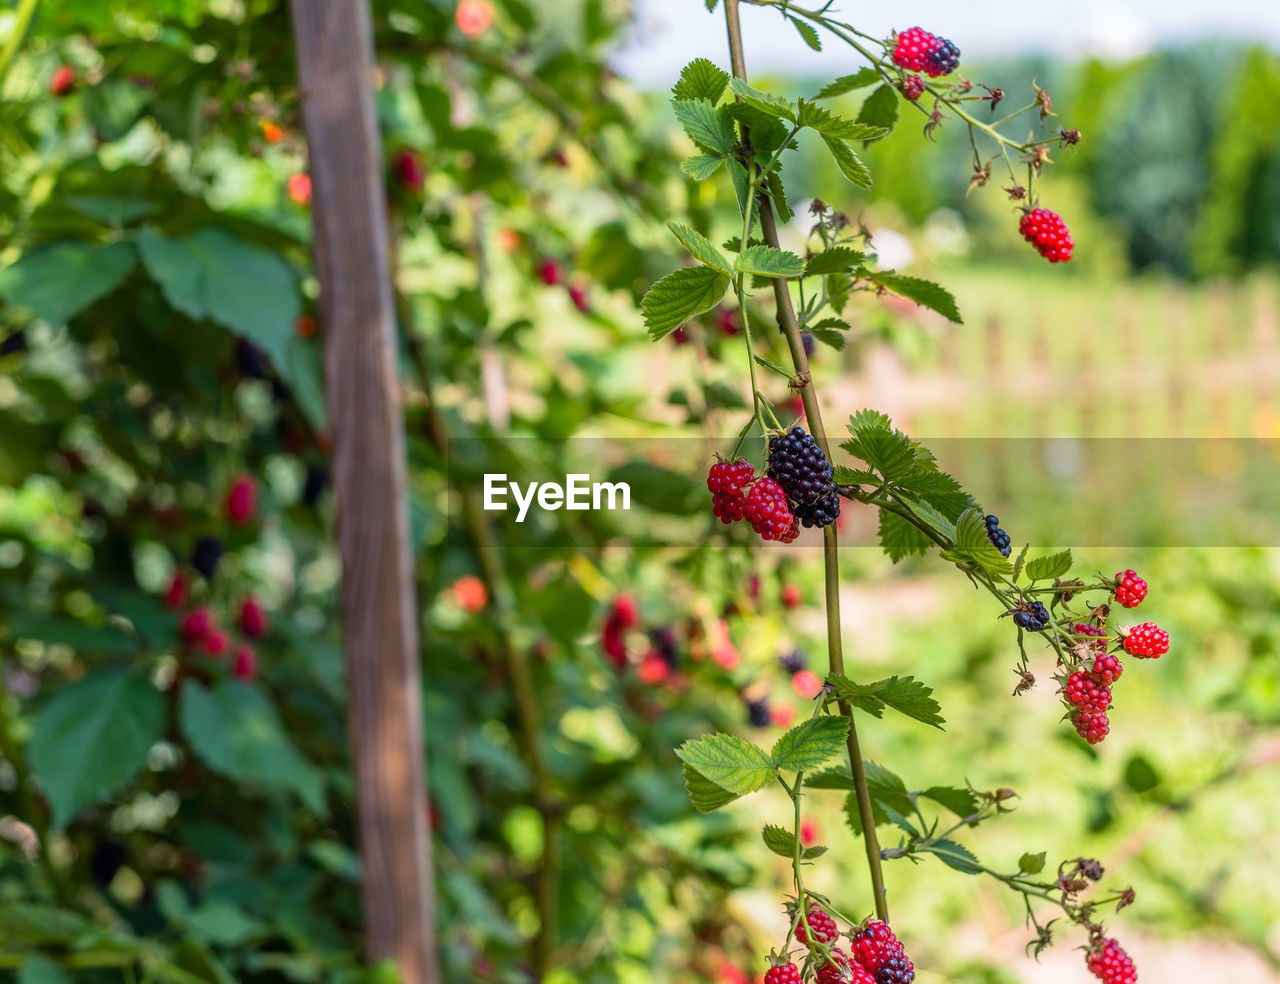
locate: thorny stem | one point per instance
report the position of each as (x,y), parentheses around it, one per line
(791,328)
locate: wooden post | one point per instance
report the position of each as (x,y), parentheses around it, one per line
(335,66)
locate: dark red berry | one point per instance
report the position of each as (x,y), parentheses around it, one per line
(1085,691)
(823,926)
(1047,232)
(841,970)
(878,950)
(787,973)
(63,80)
(1108,962)
(626,611)
(943,59)
(1089,629)
(726,480)
(196,624)
(175,595)
(253,620)
(912,87)
(244,665)
(1130,589)
(1147,640)
(242,500)
(578,295)
(1107,668)
(550,272)
(1091,727)
(409,170)
(767,511)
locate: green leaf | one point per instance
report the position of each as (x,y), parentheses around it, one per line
(38,969)
(1054,565)
(829,337)
(701,79)
(702,166)
(728,761)
(900,538)
(833,777)
(33,924)
(679,296)
(954,855)
(880,108)
(937,488)
(891,453)
(783,843)
(778,196)
(829,124)
(92,737)
(936,520)
(906,695)
(1031,864)
(741,184)
(853,816)
(113,209)
(233,727)
(860,79)
(961,802)
(808,32)
(58,282)
(699,247)
(810,743)
(709,128)
(1022,559)
(973,546)
(765,102)
(773,367)
(703,793)
(850,164)
(844,475)
(924,292)
(837,259)
(765,261)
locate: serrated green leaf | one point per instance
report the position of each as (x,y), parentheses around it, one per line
(850,164)
(702,166)
(837,259)
(709,128)
(766,261)
(730,762)
(962,802)
(833,777)
(699,247)
(92,737)
(828,337)
(234,729)
(905,694)
(954,855)
(57,282)
(900,538)
(778,195)
(782,842)
(1032,864)
(937,488)
(880,108)
(924,292)
(844,475)
(988,560)
(971,530)
(1054,565)
(974,547)
(810,743)
(860,79)
(866,418)
(808,32)
(936,521)
(829,124)
(701,79)
(679,296)
(853,816)
(704,794)
(765,102)
(891,453)
(1022,559)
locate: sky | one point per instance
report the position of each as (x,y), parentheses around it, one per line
(668,33)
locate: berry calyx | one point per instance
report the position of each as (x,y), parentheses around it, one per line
(912,87)
(768,513)
(1146,641)
(998,537)
(1091,727)
(1108,962)
(1046,231)
(1107,668)
(787,973)
(1085,691)
(820,922)
(1130,589)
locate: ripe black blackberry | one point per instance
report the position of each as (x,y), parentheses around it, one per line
(316,482)
(943,59)
(799,466)
(1035,619)
(792,662)
(758,713)
(16,342)
(251,360)
(666,645)
(998,537)
(205,556)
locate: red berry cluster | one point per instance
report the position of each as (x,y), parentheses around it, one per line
(1046,231)
(912,87)
(919,51)
(552,274)
(199,630)
(1108,962)
(823,926)
(876,958)
(242,500)
(763,504)
(1087,690)
(787,973)
(878,950)
(623,614)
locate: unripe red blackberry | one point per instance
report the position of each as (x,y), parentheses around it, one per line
(1146,641)
(913,48)
(726,480)
(1108,962)
(550,272)
(1046,231)
(253,620)
(820,921)
(1085,691)
(1107,668)
(878,950)
(1091,727)
(244,665)
(841,970)
(767,510)
(1130,589)
(175,595)
(787,973)
(1089,629)
(63,81)
(943,59)
(242,500)
(196,624)
(912,87)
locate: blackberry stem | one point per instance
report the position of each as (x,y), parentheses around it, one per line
(808,395)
